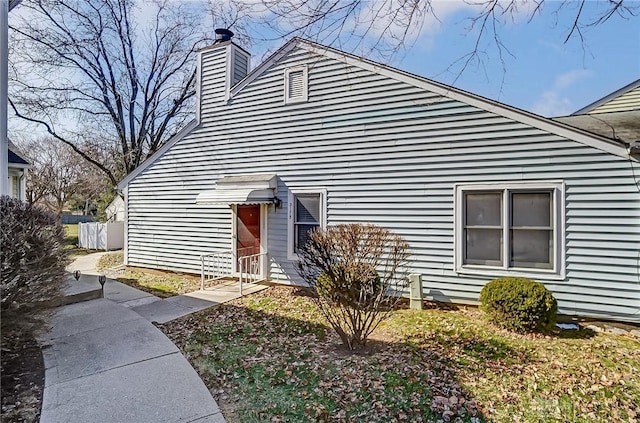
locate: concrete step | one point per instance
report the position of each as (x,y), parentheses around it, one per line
(84,289)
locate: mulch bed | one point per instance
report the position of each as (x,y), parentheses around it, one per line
(22,378)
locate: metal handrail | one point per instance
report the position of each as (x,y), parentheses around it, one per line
(218,265)
(252,266)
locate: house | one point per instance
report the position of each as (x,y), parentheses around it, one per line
(115,210)
(17,174)
(314,136)
(616,116)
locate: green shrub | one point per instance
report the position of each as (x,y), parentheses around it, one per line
(519,304)
(33,256)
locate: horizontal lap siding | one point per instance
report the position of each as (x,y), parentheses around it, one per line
(390,154)
(627,101)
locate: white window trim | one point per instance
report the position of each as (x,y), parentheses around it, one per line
(291,255)
(305,85)
(558,272)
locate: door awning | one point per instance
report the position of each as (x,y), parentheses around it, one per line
(241,189)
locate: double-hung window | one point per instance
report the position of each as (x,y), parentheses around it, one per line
(511,228)
(306,213)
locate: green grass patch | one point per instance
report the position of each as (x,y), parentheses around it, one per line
(71,235)
(271,357)
(71,242)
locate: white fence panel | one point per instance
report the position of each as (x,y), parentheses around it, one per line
(101,236)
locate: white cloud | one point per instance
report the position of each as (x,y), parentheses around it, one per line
(551,104)
(555,102)
(564,80)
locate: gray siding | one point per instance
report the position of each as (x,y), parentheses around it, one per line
(387,153)
(240,67)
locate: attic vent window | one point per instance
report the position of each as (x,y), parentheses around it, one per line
(295,84)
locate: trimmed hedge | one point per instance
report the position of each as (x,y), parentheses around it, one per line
(519,304)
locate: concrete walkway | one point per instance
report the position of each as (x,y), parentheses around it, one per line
(86,264)
(106,362)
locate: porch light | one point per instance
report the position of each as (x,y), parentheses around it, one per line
(277,203)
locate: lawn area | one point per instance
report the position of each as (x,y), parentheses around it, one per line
(160,284)
(269,357)
(71,234)
(71,242)
(157,282)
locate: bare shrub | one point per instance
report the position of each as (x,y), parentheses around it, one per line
(357,273)
(33,260)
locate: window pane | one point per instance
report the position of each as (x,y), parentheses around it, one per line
(15,187)
(483,246)
(531,247)
(302,235)
(308,208)
(483,209)
(531,209)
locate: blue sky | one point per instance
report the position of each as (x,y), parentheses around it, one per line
(543,74)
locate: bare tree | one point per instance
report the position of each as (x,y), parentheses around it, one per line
(109,71)
(357,272)
(58,175)
(119,75)
(384,27)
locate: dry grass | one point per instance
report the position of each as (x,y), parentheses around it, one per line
(110,260)
(160,284)
(271,357)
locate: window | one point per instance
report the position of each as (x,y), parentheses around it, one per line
(295,84)
(306,213)
(15,187)
(514,228)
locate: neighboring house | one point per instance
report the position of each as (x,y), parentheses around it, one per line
(616,116)
(315,137)
(115,210)
(18,168)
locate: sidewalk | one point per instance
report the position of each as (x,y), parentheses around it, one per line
(150,307)
(106,362)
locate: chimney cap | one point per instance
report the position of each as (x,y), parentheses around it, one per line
(223,34)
